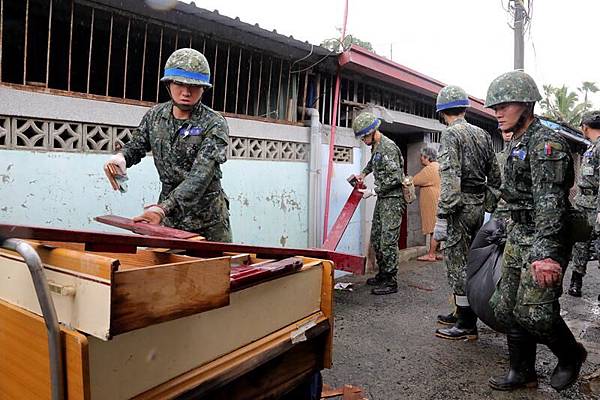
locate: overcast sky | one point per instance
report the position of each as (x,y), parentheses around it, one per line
(462,42)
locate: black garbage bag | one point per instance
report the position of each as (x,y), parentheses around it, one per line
(484,263)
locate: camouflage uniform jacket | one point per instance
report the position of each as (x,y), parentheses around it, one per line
(502,209)
(537,179)
(589,177)
(187,155)
(467,165)
(387,166)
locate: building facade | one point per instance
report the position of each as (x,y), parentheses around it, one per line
(76,76)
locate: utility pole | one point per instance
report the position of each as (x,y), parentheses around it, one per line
(519,54)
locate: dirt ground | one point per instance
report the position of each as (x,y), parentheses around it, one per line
(386,344)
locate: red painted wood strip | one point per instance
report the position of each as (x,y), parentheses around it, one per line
(142,228)
(340,225)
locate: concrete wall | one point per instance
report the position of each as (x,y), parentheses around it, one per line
(269,199)
(66,190)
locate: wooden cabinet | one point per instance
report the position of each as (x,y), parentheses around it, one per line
(155,324)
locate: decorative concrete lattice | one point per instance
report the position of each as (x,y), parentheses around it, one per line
(263,149)
(65,136)
(343,154)
(29,133)
(39,134)
(4,132)
(98,137)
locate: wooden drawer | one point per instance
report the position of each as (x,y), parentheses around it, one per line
(103,294)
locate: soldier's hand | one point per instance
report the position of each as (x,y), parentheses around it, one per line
(366,193)
(152,215)
(115,166)
(598,219)
(547,272)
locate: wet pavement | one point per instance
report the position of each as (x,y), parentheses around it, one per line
(386,344)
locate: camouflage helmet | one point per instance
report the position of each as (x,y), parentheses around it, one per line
(591,117)
(451,97)
(364,124)
(187,66)
(512,87)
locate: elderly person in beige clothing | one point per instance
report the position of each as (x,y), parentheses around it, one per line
(428,179)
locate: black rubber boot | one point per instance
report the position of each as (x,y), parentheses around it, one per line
(571,355)
(576,283)
(449,319)
(376,280)
(387,286)
(521,352)
(464,328)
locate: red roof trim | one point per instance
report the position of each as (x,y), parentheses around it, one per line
(362,60)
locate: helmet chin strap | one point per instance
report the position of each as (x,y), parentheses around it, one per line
(522,119)
(182,107)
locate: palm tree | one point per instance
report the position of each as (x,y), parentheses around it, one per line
(587,87)
(562,105)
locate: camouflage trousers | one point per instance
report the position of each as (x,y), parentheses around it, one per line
(385,232)
(518,299)
(581,250)
(462,228)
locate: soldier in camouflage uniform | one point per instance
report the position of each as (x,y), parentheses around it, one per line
(587,198)
(537,178)
(467,167)
(502,213)
(387,165)
(189,143)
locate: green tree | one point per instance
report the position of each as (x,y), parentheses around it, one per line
(587,87)
(334,44)
(562,104)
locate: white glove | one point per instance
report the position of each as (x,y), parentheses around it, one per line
(598,218)
(367,193)
(153,214)
(116,166)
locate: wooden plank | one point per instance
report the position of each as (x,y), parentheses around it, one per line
(235,364)
(142,228)
(77,261)
(348,262)
(327,309)
(24,364)
(146,296)
(342,221)
(244,276)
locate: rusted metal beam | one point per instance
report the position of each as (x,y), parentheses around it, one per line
(126,59)
(109,53)
(342,221)
(304,95)
(249,81)
(279,87)
(268,109)
(213,91)
(49,43)
(226,78)
(26,34)
(89,69)
(259,84)
(143,64)
(237,88)
(159,63)
(70,45)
